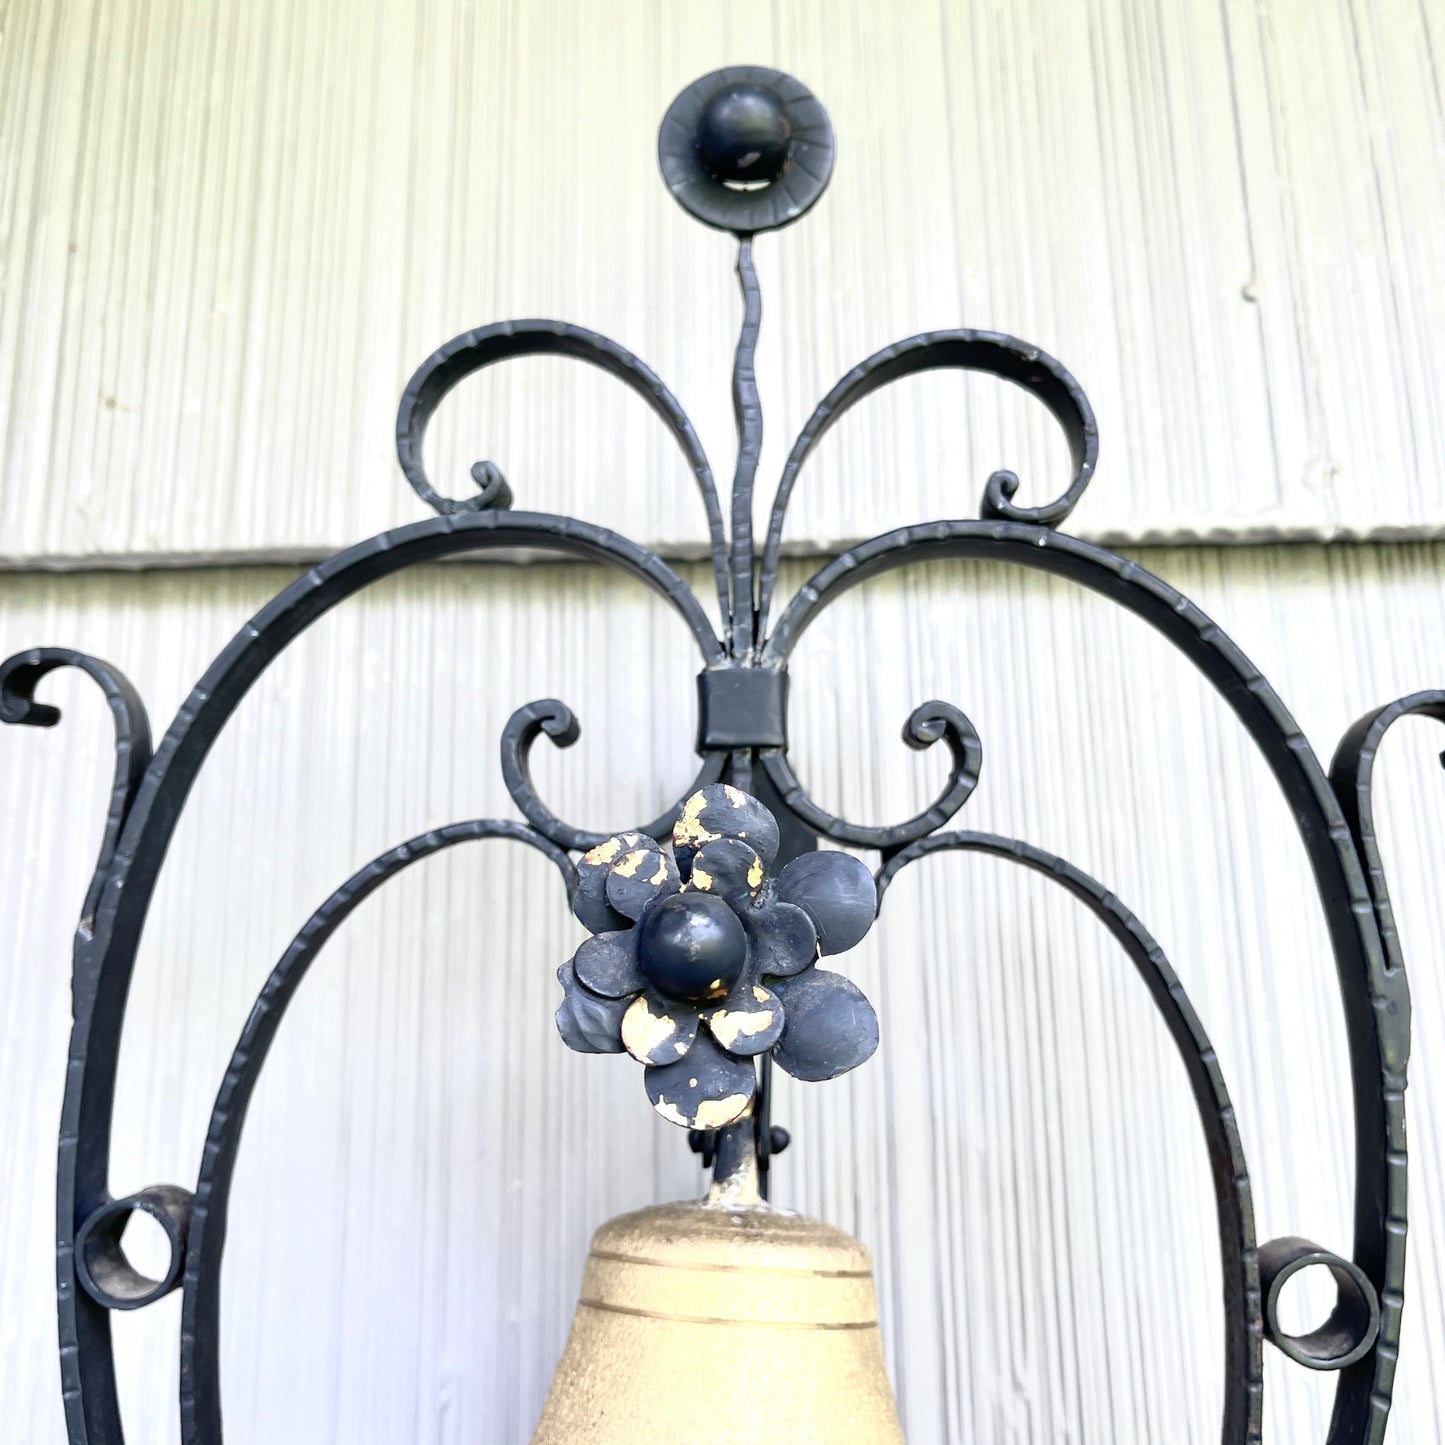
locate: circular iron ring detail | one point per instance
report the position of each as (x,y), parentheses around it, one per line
(1350,1331)
(101,1265)
(704,118)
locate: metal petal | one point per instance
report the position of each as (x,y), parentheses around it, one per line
(706,1090)
(749,1021)
(589,1024)
(727,867)
(830,1026)
(607,964)
(640,876)
(656,1030)
(589,902)
(723,811)
(781,938)
(838,892)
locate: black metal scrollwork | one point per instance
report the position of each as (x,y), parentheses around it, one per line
(989,352)
(19,677)
(87,1373)
(927,724)
(746,150)
(557,721)
(149,795)
(1352,774)
(473,350)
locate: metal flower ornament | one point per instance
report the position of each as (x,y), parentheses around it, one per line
(700,960)
(708,922)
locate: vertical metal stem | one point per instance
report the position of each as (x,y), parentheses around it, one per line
(740,769)
(735,1170)
(763,1116)
(748,410)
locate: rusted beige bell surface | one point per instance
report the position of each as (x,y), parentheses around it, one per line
(704,1325)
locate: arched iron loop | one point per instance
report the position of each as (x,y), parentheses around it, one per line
(105,959)
(1346,1336)
(1239,1263)
(1378,1036)
(930,722)
(552,717)
(200,1308)
(473,350)
(989,352)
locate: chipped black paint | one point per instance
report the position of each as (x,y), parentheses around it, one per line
(717,965)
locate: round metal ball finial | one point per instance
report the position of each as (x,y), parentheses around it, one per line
(692,947)
(743,135)
(746,149)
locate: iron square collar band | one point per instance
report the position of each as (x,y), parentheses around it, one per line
(741,708)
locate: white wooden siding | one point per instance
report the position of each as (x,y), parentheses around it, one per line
(424,1162)
(231,232)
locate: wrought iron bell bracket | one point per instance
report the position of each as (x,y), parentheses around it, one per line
(746,150)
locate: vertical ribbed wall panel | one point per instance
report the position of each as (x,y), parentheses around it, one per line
(425,1161)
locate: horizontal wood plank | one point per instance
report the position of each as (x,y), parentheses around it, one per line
(229,234)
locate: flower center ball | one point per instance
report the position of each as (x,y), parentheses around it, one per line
(692,947)
(743,135)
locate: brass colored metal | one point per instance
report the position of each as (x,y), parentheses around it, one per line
(680,1300)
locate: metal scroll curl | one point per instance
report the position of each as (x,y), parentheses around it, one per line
(929,723)
(87,1372)
(989,352)
(1239,1259)
(19,676)
(473,350)
(1381,1144)
(1352,774)
(552,717)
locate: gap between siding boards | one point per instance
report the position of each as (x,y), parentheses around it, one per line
(698,552)
(1210,538)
